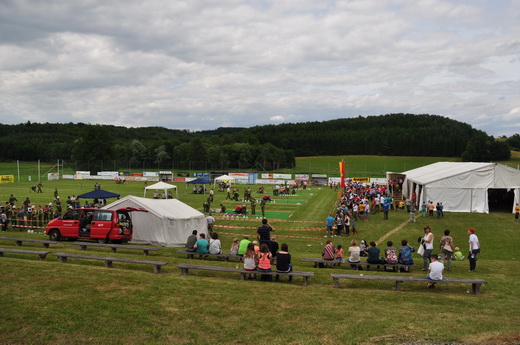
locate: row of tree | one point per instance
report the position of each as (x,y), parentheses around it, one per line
(269,147)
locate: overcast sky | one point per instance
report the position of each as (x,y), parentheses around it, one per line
(206,64)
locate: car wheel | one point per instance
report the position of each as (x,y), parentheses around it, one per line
(54,235)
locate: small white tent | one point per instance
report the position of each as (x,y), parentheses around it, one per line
(224,178)
(161,186)
(461,187)
(167,223)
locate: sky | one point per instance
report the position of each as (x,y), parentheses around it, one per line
(204,64)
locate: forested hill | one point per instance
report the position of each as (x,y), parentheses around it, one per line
(272,146)
(396,134)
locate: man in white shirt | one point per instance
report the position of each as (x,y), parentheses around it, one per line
(436,270)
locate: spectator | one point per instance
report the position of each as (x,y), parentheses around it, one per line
(190,243)
(436,269)
(215,247)
(264,233)
(405,255)
(446,247)
(264,259)
(202,245)
(274,248)
(234,247)
(391,254)
(211,223)
(474,249)
(328,251)
(330,222)
(427,241)
(283,261)
(244,243)
(458,254)
(354,254)
(339,254)
(250,260)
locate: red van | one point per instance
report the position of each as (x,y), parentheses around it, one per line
(89,223)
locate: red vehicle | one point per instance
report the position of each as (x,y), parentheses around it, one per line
(97,224)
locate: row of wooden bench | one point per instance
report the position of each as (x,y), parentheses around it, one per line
(315,261)
(63,257)
(83,245)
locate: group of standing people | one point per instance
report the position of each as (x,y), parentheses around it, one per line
(447,249)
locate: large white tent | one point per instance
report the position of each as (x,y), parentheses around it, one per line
(167,223)
(461,187)
(161,186)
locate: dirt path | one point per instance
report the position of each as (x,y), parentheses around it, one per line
(388,234)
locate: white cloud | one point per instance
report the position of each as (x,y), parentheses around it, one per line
(204,64)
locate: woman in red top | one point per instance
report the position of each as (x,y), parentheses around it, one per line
(264,258)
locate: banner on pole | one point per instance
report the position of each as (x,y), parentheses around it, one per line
(342,173)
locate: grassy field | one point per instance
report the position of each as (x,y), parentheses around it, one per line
(82,302)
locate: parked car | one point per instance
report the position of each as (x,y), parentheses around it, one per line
(98,224)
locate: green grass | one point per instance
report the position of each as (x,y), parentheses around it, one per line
(82,302)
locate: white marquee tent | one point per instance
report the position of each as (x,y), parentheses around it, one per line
(161,186)
(224,178)
(461,187)
(168,223)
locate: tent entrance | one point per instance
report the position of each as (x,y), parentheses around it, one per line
(500,200)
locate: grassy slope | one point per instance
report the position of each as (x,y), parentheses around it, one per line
(82,302)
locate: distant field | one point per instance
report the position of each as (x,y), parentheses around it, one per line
(356,166)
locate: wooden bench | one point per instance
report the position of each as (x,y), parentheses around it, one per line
(191,255)
(114,247)
(41,254)
(475,283)
(109,260)
(186,267)
(332,263)
(19,241)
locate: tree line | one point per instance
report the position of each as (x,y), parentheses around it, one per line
(269,147)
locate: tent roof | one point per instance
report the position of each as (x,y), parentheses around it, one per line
(200,180)
(169,208)
(465,175)
(160,185)
(225,178)
(98,194)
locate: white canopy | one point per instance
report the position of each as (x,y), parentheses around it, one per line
(161,186)
(224,178)
(461,187)
(167,223)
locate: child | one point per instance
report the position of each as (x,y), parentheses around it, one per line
(458,255)
(436,270)
(353,223)
(257,248)
(339,253)
(250,260)
(391,255)
(363,248)
(234,247)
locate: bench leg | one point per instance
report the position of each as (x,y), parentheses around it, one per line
(475,289)
(184,271)
(45,245)
(114,249)
(1,253)
(84,247)
(242,276)
(336,282)
(42,256)
(19,243)
(157,269)
(304,280)
(398,285)
(108,263)
(63,259)
(145,252)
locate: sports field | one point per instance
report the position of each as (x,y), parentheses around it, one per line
(82,302)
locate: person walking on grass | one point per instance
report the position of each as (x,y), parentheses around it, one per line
(474,249)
